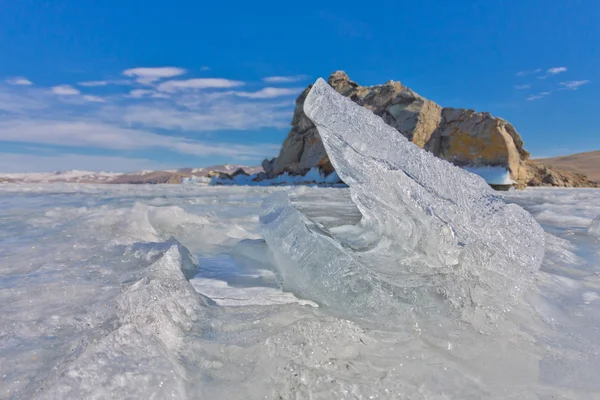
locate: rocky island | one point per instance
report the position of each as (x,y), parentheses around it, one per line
(466,138)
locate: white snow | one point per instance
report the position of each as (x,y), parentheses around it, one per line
(196,180)
(492,175)
(67,176)
(143,172)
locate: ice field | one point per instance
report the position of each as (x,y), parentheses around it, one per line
(416,282)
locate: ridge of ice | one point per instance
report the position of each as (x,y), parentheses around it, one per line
(427,226)
(140,356)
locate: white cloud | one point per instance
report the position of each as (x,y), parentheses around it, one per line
(205,116)
(19,80)
(157,95)
(556,70)
(48,117)
(553,71)
(198,83)
(205,68)
(105,83)
(14,163)
(573,85)
(149,75)
(525,73)
(23,101)
(139,93)
(106,136)
(93,83)
(521,87)
(145,93)
(94,99)
(538,96)
(270,92)
(284,79)
(65,90)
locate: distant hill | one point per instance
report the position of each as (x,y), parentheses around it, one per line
(585,163)
(138,177)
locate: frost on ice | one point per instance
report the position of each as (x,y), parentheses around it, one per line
(427,227)
(594,228)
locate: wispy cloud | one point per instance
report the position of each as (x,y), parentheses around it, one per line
(102,135)
(556,70)
(105,83)
(146,93)
(573,85)
(139,93)
(205,68)
(538,96)
(166,114)
(207,116)
(94,99)
(198,83)
(147,76)
(549,72)
(19,80)
(65,90)
(285,79)
(522,87)
(13,163)
(23,100)
(529,72)
(553,71)
(270,93)
(93,83)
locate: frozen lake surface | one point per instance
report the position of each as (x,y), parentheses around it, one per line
(111,291)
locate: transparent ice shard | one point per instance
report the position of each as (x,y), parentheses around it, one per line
(427,226)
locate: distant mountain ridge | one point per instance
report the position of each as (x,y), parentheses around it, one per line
(587,163)
(137,177)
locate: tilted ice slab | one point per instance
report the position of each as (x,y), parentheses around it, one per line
(427,226)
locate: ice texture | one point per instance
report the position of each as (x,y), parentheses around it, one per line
(594,228)
(85,300)
(427,226)
(153,314)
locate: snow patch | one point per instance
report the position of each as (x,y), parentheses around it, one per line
(492,175)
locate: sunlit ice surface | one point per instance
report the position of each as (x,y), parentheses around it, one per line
(171,292)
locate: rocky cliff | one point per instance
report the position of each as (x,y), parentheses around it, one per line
(463,137)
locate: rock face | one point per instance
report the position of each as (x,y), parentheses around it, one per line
(541,174)
(463,137)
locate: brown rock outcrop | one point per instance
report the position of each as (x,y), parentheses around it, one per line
(541,174)
(463,137)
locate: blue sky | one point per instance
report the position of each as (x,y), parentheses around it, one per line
(127,85)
